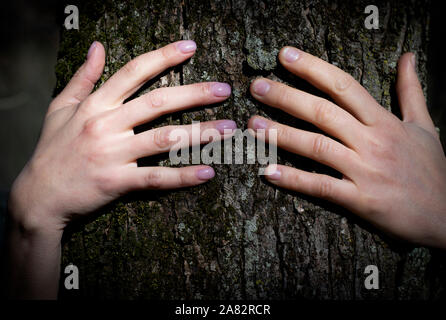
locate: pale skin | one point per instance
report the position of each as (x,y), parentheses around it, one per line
(87,157)
(394,171)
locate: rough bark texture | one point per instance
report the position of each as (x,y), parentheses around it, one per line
(238,237)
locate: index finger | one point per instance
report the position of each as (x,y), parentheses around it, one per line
(136,72)
(341,86)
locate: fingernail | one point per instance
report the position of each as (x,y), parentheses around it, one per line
(261,87)
(92,47)
(413,60)
(205,174)
(220,89)
(273,173)
(187,46)
(259,123)
(226,125)
(290,54)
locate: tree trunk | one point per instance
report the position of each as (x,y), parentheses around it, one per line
(238,237)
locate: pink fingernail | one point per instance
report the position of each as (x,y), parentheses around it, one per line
(92,47)
(273,173)
(187,46)
(290,54)
(259,123)
(220,89)
(205,174)
(227,125)
(261,87)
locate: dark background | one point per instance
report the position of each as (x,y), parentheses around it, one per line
(29,36)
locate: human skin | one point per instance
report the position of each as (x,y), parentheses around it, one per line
(394,171)
(87,157)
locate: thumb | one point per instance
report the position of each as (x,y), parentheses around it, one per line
(410,95)
(83,81)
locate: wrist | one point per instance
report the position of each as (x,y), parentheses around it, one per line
(32,225)
(33,251)
(28,215)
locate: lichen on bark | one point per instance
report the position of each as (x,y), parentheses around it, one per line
(238,237)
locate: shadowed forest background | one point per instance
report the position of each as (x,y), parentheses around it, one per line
(236,237)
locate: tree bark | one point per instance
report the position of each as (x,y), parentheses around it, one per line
(238,237)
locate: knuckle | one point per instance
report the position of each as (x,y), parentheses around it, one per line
(156,98)
(153,180)
(94,127)
(161,138)
(324,112)
(284,96)
(82,78)
(296,180)
(131,67)
(167,53)
(311,65)
(85,84)
(373,205)
(321,145)
(97,154)
(324,188)
(182,179)
(383,147)
(205,89)
(409,87)
(342,83)
(108,182)
(283,134)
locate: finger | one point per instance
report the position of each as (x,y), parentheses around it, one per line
(410,94)
(168,138)
(321,112)
(341,86)
(165,100)
(342,192)
(165,177)
(84,80)
(135,73)
(308,144)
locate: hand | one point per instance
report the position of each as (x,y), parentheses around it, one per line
(87,156)
(87,153)
(394,172)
